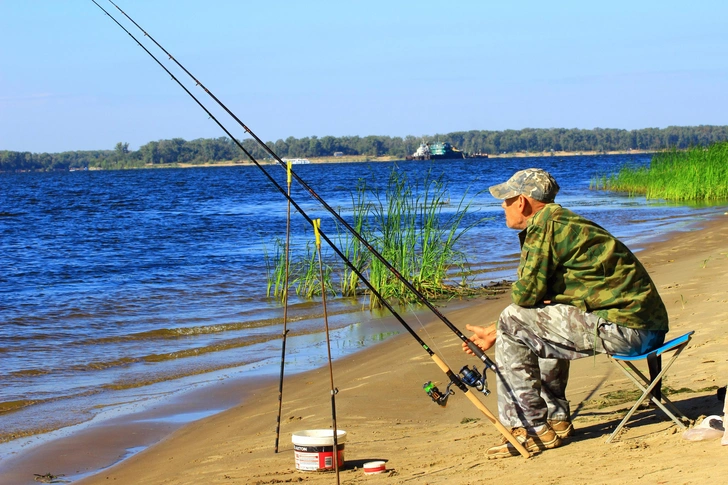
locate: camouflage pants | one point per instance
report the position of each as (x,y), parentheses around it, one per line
(533,349)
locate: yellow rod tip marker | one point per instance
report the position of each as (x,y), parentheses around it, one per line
(316,228)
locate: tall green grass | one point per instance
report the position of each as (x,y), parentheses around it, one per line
(405,224)
(276,268)
(412,234)
(304,274)
(307,275)
(696,174)
(352,248)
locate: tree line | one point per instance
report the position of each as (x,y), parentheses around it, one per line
(207,150)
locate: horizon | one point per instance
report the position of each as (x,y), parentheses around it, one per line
(361,136)
(74,81)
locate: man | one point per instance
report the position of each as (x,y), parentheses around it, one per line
(579,291)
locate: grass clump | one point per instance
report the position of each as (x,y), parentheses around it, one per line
(408,228)
(304,274)
(276,269)
(698,174)
(405,223)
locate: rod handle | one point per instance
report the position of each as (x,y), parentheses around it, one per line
(481,355)
(502,429)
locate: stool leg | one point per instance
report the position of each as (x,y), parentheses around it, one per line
(641,385)
(667,402)
(654,364)
(653,381)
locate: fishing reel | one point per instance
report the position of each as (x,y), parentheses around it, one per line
(466,376)
(438,396)
(473,378)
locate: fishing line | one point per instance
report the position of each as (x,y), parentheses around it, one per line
(293,203)
(454,378)
(420,297)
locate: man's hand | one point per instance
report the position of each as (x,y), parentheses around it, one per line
(483,337)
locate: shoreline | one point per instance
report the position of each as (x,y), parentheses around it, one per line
(387,415)
(367,158)
(362,385)
(359,159)
(137,424)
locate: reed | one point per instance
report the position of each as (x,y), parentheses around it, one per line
(351,247)
(698,174)
(406,225)
(306,275)
(275,269)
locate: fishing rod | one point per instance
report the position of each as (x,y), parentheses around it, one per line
(456,380)
(477,351)
(285,307)
(334,391)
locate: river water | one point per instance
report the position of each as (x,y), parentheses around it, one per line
(116,286)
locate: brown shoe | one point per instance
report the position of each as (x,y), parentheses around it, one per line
(534,443)
(562,428)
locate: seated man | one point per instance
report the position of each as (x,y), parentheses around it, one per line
(579,291)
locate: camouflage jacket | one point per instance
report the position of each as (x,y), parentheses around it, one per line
(568,259)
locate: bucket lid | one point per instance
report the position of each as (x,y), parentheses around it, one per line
(373,467)
(318,437)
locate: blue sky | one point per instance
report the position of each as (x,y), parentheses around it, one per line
(70,79)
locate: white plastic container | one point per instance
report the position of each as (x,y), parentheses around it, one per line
(375,467)
(711,428)
(313,449)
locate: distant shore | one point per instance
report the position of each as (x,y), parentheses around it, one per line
(389,158)
(359,159)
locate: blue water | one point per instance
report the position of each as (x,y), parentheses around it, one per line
(116,284)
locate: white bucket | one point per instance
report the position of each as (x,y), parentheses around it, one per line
(314,449)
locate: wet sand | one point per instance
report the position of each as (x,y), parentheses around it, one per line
(388,416)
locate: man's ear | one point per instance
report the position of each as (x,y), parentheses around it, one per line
(522,204)
(527,209)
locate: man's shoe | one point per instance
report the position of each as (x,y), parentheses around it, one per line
(563,428)
(534,443)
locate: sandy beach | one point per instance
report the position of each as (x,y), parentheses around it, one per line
(387,415)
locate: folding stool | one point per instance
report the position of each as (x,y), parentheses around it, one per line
(651,387)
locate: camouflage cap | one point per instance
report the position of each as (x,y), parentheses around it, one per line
(532,182)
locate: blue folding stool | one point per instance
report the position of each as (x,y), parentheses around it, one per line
(652,387)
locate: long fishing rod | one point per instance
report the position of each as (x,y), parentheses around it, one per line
(290,199)
(477,351)
(469,377)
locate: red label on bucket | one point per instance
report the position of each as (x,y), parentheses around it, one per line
(313,449)
(315,458)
